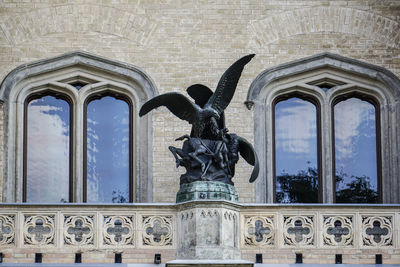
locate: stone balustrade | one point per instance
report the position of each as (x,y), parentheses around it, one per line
(139,231)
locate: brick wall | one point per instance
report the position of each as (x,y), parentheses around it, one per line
(179,43)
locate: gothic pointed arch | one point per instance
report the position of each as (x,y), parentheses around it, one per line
(328,78)
(77,76)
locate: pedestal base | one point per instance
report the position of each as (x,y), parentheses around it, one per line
(210,263)
(203,190)
(208,231)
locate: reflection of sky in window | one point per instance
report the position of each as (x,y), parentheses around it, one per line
(48,150)
(355,141)
(108,150)
(295,138)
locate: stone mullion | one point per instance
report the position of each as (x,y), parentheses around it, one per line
(78,151)
(326,153)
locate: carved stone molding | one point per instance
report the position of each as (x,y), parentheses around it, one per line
(338,230)
(377,231)
(186,215)
(118,230)
(7,230)
(39,229)
(209,213)
(298,230)
(230,216)
(79,230)
(259,231)
(157,231)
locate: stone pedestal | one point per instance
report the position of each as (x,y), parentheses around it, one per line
(209,263)
(208,230)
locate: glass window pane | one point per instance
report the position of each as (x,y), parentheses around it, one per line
(107,151)
(296,151)
(355,152)
(47,150)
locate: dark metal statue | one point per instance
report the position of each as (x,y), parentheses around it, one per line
(209,153)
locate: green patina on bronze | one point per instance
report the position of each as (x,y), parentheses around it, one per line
(206,190)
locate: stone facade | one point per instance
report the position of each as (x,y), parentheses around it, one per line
(178,43)
(214,230)
(186,42)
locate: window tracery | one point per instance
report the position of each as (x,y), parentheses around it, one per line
(78,80)
(330,79)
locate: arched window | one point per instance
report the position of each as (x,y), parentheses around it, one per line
(356,150)
(356,127)
(108,171)
(296,154)
(47,147)
(73,134)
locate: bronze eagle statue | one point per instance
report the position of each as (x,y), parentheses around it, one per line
(204,118)
(201,94)
(206,114)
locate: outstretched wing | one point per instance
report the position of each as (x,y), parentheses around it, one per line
(200,93)
(249,154)
(177,103)
(227,84)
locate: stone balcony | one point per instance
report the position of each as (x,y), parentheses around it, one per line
(318,232)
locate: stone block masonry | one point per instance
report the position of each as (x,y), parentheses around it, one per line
(172,39)
(179,43)
(201,230)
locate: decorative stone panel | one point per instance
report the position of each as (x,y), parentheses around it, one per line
(298,230)
(208,231)
(157,231)
(377,231)
(230,223)
(259,231)
(118,230)
(338,230)
(7,230)
(39,230)
(209,219)
(79,230)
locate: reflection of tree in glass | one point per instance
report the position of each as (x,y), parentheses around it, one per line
(298,188)
(119,197)
(303,188)
(358,190)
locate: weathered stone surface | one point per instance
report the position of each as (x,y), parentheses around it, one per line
(208,232)
(210,263)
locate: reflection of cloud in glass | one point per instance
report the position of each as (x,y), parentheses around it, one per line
(355,142)
(295,125)
(48,150)
(295,145)
(350,115)
(108,150)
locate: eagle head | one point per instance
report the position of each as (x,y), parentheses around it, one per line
(211,113)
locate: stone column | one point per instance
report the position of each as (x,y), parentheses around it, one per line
(208,234)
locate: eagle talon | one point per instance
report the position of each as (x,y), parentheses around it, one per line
(182,137)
